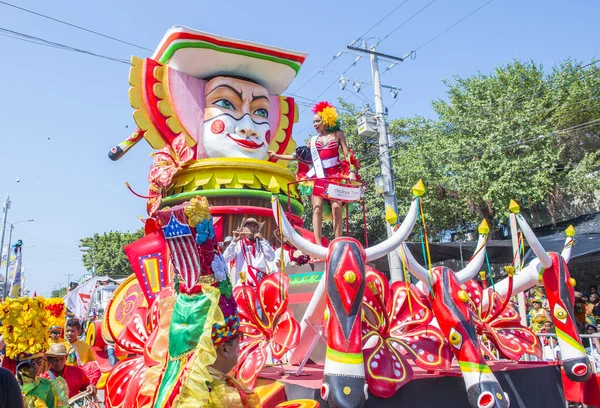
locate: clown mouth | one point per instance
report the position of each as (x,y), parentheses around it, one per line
(248,144)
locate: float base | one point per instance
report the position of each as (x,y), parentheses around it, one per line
(528,384)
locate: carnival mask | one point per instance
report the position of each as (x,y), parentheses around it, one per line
(236,119)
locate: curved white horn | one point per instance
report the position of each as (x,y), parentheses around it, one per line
(316,251)
(413,266)
(475,264)
(534,244)
(566,252)
(393,242)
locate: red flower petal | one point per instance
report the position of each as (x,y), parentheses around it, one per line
(385,368)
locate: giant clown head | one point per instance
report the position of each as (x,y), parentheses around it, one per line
(236,118)
(224,95)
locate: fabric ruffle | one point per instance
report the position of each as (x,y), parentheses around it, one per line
(194,390)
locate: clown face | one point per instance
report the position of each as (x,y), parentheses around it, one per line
(236,119)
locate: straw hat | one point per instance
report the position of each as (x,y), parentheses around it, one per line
(57,350)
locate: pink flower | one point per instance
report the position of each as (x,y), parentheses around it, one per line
(278,330)
(501,326)
(396,328)
(169,161)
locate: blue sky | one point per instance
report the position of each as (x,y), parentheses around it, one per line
(60,112)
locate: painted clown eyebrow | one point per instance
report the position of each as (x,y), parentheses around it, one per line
(238,93)
(257,97)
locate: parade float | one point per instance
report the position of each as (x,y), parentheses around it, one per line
(212,107)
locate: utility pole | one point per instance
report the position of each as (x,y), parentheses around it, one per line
(6,207)
(68,275)
(387,172)
(7,262)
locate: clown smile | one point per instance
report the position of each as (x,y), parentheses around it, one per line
(246,143)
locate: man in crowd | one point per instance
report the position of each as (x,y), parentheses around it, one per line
(80,352)
(250,251)
(10,392)
(76,379)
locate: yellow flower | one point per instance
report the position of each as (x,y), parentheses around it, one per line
(329,116)
(197,211)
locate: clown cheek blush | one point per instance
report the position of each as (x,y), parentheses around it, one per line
(217,127)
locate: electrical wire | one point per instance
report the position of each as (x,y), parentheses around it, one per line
(40,41)
(452,26)
(380,21)
(342,52)
(47,243)
(406,21)
(53,253)
(74,25)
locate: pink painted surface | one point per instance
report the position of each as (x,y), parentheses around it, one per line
(187,95)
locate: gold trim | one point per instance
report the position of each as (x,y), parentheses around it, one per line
(228,172)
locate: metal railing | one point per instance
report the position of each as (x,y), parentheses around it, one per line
(551,350)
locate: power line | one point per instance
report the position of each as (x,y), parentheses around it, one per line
(406,21)
(74,26)
(380,21)
(40,41)
(47,243)
(515,144)
(452,26)
(516,98)
(342,52)
(53,253)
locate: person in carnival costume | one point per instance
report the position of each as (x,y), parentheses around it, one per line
(203,333)
(25,331)
(250,251)
(73,377)
(322,152)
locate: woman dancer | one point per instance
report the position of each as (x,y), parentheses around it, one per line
(322,151)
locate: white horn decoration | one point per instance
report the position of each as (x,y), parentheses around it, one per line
(414,267)
(569,242)
(474,265)
(393,242)
(534,244)
(316,251)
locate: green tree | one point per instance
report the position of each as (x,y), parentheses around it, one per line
(58,293)
(104,253)
(515,134)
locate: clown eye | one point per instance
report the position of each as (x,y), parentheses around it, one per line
(455,339)
(560,313)
(262,112)
(224,103)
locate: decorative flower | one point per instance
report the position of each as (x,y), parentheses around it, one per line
(24,325)
(328,115)
(57,312)
(396,327)
(219,267)
(501,325)
(197,211)
(280,332)
(169,161)
(205,230)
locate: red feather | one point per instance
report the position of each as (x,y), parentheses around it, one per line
(320,106)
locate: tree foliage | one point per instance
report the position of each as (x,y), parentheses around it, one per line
(58,293)
(518,133)
(104,253)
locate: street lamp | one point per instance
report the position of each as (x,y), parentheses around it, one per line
(6,207)
(12,226)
